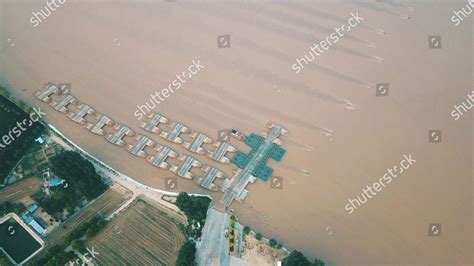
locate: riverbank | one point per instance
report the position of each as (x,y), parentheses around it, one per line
(107,171)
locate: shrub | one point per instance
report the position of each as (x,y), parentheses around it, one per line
(318,262)
(247,230)
(297,258)
(273,243)
(258,236)
(187,254)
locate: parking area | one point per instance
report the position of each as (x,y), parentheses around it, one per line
(213,249)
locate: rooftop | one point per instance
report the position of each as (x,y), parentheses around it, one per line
(56,181)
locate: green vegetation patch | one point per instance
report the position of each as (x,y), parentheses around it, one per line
(55,256)
(297,258)
(17,135)
(8,207)
(195,209)
(83,183)
(90,228)
(187,254)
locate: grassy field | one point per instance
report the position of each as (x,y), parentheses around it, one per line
(10,115)
(144,234)
(105,205)
(20,190)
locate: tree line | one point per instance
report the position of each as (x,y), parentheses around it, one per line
(81,183)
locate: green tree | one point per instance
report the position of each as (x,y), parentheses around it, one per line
(318,262)
(273,243)
(195,209)
(4,261)
(187,254)
(83,183)
(55,256)
(77,244)
(4,92)
(247,230)
(296,258)
(258,236)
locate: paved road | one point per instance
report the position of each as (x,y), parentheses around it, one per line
(213,249)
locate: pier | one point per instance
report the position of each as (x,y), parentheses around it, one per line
(189,162)
(222,149)
(152,125)
(207,181)
(62,105)
(45,95)
(138,148)
(195,146)
(173,136)
(79,116)
(117,138)
(98,127)
(254,164)
(159,160)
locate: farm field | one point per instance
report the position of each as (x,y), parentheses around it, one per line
(144,234)
(105,205)
(20,190)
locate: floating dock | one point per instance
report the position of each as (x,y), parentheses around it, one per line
(117,138)
(207,181)
(195,146)
(173,136)
(159,160)
(79,116)
(45,96)
(184,169)
(219,154)
(253,164)
(62,105)
(98,127)
(138,148)
(152,125)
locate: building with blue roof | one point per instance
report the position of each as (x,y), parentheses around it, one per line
(56,181)
(30,220)
(37,227)
(32,208)
(40,140)
(26,218)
